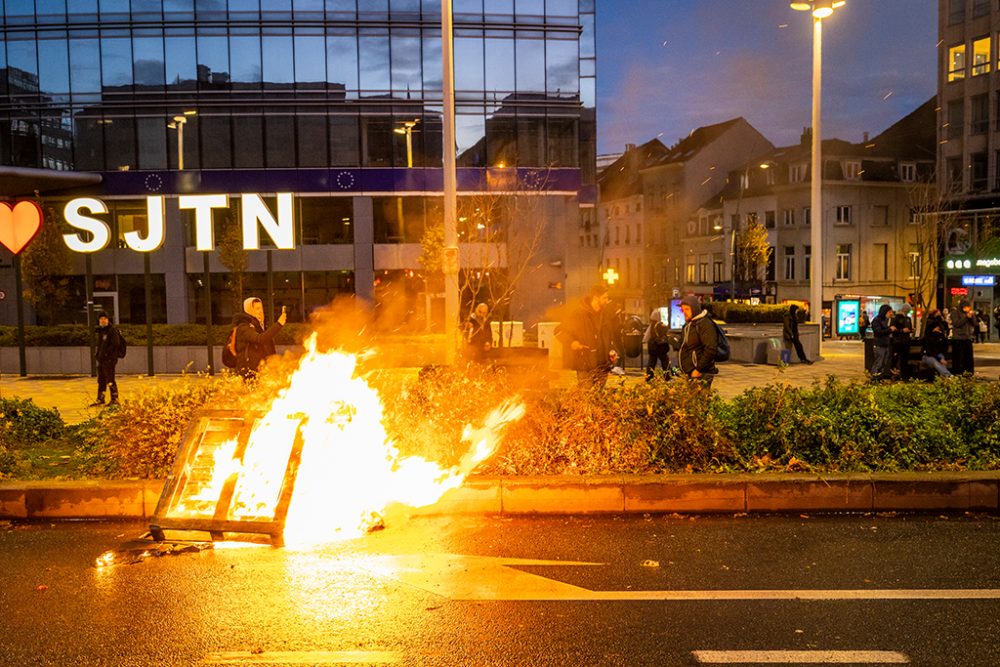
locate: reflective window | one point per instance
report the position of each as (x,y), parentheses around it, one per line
(216,142)
(501,140)
(88,141)
(53,66)
(342,62)
(398,219)
(563,143)
(147,53)
(279,139)
(310,62)
(22,55)
(344,140)
(431,48)
(113,7)
(412,6)
(503,7)
(345,6)
(956,62)
(431,7)
(377,140)
(248,153)
(469,64)
(275,5)
(308,6)
(530,62)
(213,61)
(466,7)
(19,8)
(277,56)
(405,59)
(981,56)
(561,7)
(146,8)
(529,7)
(116,58)
(207,9)
(587,37)
(325,220)
(244,9)
(153,140)
(50,11)
(530,139)
(470,133)
(181,64)
(499,65)
(119,142)
(562,69)
(311,137)
(78,7)
(374,61)
(245,56)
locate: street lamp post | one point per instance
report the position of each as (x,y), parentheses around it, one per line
(407,129)
(450,256)
(178,124)
(820,9)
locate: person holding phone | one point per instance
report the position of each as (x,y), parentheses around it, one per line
(253,342)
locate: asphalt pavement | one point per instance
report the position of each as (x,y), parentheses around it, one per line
(595,591)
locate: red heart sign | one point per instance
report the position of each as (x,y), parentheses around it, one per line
(18,225)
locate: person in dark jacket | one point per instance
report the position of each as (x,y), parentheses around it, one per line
(699,342)
(962,333)
(935,343)
(110,348)
(790,332)
(478,334)
(253,342)
(590,338)
(882,334)
(657,339)
(903,329)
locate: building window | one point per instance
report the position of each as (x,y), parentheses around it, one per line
(980,109)
(981,56)
(717,268)
(770,218)
(807,256)
(638,233)
(977,167)
(843,215)
(956,119)
(852,170)
(797,173)
(956,11)
(703,271)
(979,7)
(914,261)
(618,235)
(771,269)
(908,172)
(880,261)
(806,216)
(956,62)
(789,262)
(843,262)
(880,215)
(690,273)
(953,172)
(788,217)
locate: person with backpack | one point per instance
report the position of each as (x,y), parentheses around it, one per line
(790,332)
(252,343)
(657,340)
(111,347)
(699,343)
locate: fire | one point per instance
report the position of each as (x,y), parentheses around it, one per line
(329,421)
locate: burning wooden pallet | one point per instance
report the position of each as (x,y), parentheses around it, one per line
(217,487)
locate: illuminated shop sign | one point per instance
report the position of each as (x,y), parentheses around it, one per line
(978,281)
(254,215)
(988,262)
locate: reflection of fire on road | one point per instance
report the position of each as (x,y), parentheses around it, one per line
(317,466)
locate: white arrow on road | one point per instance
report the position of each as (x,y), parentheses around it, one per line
(488,578)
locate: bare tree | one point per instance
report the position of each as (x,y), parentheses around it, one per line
(931,222)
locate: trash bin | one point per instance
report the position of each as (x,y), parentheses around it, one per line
(633,345)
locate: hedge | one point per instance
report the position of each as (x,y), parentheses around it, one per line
(70,335)
(742,313)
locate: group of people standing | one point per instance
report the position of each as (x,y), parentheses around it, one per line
(893,334)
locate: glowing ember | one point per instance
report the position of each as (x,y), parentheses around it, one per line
(349,470)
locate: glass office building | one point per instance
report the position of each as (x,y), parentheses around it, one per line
(336,101)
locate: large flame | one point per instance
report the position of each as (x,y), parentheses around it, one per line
(349,469)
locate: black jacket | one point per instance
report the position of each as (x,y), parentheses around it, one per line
(935,336)
(109,345)
(253,344)
(901,322)
(880,331)
(700,342)
(790,326)
(596,331)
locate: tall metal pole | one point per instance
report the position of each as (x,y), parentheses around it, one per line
(19,296)
(91,334)
(816,185)
(149,313)
(450,263)
(180,142)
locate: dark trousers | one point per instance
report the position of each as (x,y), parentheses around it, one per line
(106,379)
(658,353)
(961,357)
(797,344)
(901,359)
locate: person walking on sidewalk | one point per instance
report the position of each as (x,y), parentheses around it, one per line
(882,334)
(962,333)
(699,342)
(253,343)
(590,338)
(790,332)
(110,348)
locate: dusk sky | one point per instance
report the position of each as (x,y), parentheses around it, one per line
(669,66)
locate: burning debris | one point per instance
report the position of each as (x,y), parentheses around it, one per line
(317,466)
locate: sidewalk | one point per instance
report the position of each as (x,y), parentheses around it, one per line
(615,494)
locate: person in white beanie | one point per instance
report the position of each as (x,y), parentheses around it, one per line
(253,342)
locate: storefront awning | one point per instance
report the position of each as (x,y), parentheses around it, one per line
(18,181)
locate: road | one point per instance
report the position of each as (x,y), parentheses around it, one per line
(660,590)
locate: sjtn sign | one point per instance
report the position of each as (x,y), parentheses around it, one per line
(254,215)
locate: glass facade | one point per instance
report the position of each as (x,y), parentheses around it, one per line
(90,85)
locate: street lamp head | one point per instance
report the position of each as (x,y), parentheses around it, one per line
(180,120)
(820,9)
(190,112)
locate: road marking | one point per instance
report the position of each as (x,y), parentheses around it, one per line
(800,657)
(459,577)
(302,658)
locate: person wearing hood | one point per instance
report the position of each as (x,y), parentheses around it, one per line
(478,334)
(110,348)
(903,329)
(935,343)
(962,332)
(657,340)
(882,329)
(589,336)
(790,332)
(699,342)
(253,342)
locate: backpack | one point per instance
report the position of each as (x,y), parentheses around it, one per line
(660,334)
(722,343)
(122,346)
(229,351)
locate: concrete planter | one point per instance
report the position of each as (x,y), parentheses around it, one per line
(762,343)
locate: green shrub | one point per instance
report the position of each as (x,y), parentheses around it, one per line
(13,463)
(23,423)
(70,335)
(742,313)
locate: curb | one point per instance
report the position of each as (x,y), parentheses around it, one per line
(564,495)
